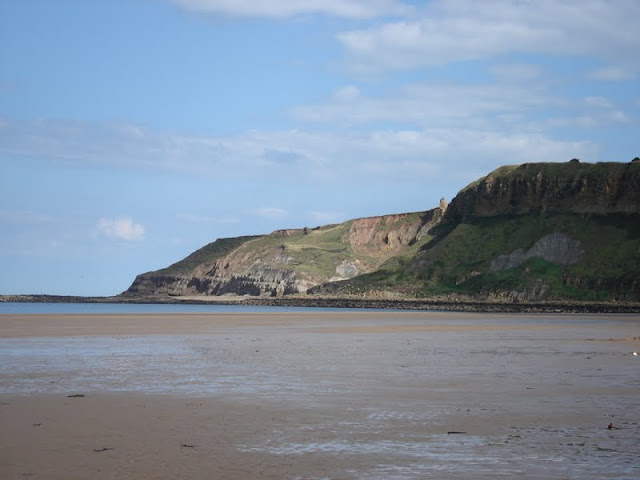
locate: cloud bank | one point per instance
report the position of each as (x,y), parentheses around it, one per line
(463,30)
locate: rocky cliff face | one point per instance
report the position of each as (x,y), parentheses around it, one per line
(558,248)
(289,261)
(536,231)
(573,226)
(390,233)
(573,187)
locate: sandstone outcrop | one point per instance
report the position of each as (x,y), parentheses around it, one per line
(390,233)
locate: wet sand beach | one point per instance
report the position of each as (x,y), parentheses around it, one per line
(340,395)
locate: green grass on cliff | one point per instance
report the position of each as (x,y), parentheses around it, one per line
(316,252)
(313,252)
(574,170)
(320,251)
(206,255)
(611,252)
(458,259)
(526,276)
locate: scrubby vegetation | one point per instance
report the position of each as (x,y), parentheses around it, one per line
(458,259)
(205,255)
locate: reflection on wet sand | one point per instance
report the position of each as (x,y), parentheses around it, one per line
(327,395)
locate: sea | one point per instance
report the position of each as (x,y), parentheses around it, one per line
(150,308)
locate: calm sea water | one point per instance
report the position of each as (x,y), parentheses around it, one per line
(71,308)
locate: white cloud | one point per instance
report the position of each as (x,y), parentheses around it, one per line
(359,9)
(462,30)
(122,228)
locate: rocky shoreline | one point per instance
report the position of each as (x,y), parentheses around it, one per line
(391,304)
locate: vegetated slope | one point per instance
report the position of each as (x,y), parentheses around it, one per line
(290,261)
(544,231)
(174,278)
(571,187)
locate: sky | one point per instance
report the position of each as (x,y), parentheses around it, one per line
(133,132)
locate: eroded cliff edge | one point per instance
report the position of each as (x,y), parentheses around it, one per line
(538,188)
(532,232)
(524,233)
(290,261)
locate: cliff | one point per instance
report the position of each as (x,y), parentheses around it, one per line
(528,233)
(289,261)
(534,232)
(572,187)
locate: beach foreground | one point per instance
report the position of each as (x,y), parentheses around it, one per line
(341,395)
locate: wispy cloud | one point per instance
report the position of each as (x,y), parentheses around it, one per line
(347,93)
(448,32)
(596,101)
(603,111)
(312,156)
(358,9)
(429,104)
(122,228)
(133,146)
(614,73)
(24,217)
(620,117)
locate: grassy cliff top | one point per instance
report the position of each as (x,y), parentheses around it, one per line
(207,254)
(573,169)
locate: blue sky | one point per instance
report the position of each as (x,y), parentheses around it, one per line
(134,131)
